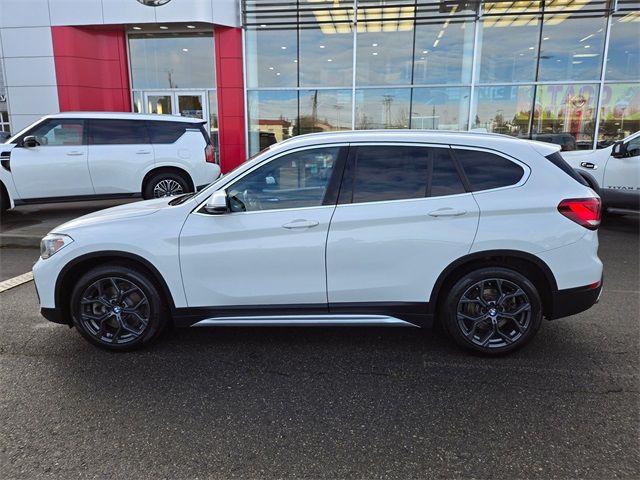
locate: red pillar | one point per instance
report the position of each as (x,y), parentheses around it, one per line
(91,68)
(230,85)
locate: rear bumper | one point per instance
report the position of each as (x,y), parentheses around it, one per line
(574,300)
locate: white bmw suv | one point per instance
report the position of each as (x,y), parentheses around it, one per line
(84,156)
(485,233)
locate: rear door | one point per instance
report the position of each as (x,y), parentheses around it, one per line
(57,167)
(403,216)
(120,153)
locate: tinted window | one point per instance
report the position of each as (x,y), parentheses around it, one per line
(167,132)
(118,132)
(59,132)
(486,170)
(384,173)
(295,180)
(444,179)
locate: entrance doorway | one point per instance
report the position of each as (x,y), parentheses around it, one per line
(185,104)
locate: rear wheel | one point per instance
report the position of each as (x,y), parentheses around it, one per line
(118,308)
(492,310)
(165,184)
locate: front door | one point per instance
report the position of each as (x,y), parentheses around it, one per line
(58,166)
(622,175)
(268,252)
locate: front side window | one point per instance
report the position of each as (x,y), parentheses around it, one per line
(118,132)
(487,170)
(61,132)
(296,180)
(633,147)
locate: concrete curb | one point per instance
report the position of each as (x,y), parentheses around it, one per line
(19,240)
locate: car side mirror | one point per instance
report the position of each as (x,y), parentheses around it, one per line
(30,141)
(619,149)
(218,203)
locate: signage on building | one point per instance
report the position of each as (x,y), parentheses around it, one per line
(3,97)
(154,3)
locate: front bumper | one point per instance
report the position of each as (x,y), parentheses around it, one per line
(574,300)
(53,315)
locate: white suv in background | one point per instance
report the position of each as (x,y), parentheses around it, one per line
(482,232)
(613,172)
(83,156)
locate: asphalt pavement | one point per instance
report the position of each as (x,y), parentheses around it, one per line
(326,403)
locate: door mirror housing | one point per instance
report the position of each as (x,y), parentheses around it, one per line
(218,203)
(30,141)
(619,149)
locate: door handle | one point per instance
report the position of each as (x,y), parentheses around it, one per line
(74,153)
(589,165)
(143,152)
(447,212)
(300,224)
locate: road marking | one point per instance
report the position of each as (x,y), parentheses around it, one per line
(15,281)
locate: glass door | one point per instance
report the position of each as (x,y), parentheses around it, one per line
(191,104)
(159,102)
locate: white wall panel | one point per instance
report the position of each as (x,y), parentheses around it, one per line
(185,11)
(27,42)
(24,13)
(33,100)
(226,12)
(127,11)
(30,71)
(76,12)
(18,122)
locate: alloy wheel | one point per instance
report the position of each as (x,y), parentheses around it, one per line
(494,313)
(167,188)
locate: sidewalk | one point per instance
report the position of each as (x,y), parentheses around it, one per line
(26,225)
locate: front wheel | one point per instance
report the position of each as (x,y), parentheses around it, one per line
(165,185)
(492,310)
(117,308)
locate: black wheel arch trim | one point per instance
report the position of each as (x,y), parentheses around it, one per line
(108,256)
(487,255)
(590,180)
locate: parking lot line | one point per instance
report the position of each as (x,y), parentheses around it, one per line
(16,281)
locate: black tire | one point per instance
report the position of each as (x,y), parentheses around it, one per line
(105,317)
(4,199)
(480,323)
(165,184)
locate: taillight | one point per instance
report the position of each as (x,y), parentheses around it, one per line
(583,211)
(209,155)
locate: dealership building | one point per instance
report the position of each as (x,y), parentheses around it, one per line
(260,71)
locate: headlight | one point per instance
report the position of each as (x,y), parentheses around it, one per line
(52,243)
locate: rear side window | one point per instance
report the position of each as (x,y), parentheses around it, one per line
(560,162)
(117,132)
(167,132)
(487,170)
(392,172)
(444,178)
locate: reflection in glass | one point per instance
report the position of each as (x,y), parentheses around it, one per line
(440,108)
(382,108)
(190,106)
(508,48)
(571,48)
(326,59)
(159,104)
(443,53)
(324,110)
(619,112)
(137,102)
(272,57)
(272,116)
(172,61)
(503,109)
(623,59)
(565,115)
(213,123)
(383,57)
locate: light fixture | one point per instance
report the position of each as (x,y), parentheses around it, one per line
(137,28)
(271,68)
(522,54)
(546,38)
(532,48)
(295,61)
(163,27)
(277,74)
(435,44)
(587,46)
(191,26)
(321,46)
(283,47)
(586,38)
(425,51)
(374,53)
(585,55)
(263,25)
(374,44)
(185,49)
(329,60)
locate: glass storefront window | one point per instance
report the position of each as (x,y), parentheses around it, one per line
(503,109)
(326,59)
(440,108)
(272,117)
(382,108)
(619,112)
(443,53)
(172,61)
(272,58)
(384,54)
(623,59)
(508,49)
(565,115)
(571,48)
(324,110)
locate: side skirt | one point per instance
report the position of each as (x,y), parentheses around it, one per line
(306,321)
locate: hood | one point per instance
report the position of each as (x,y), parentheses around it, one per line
(130,210)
